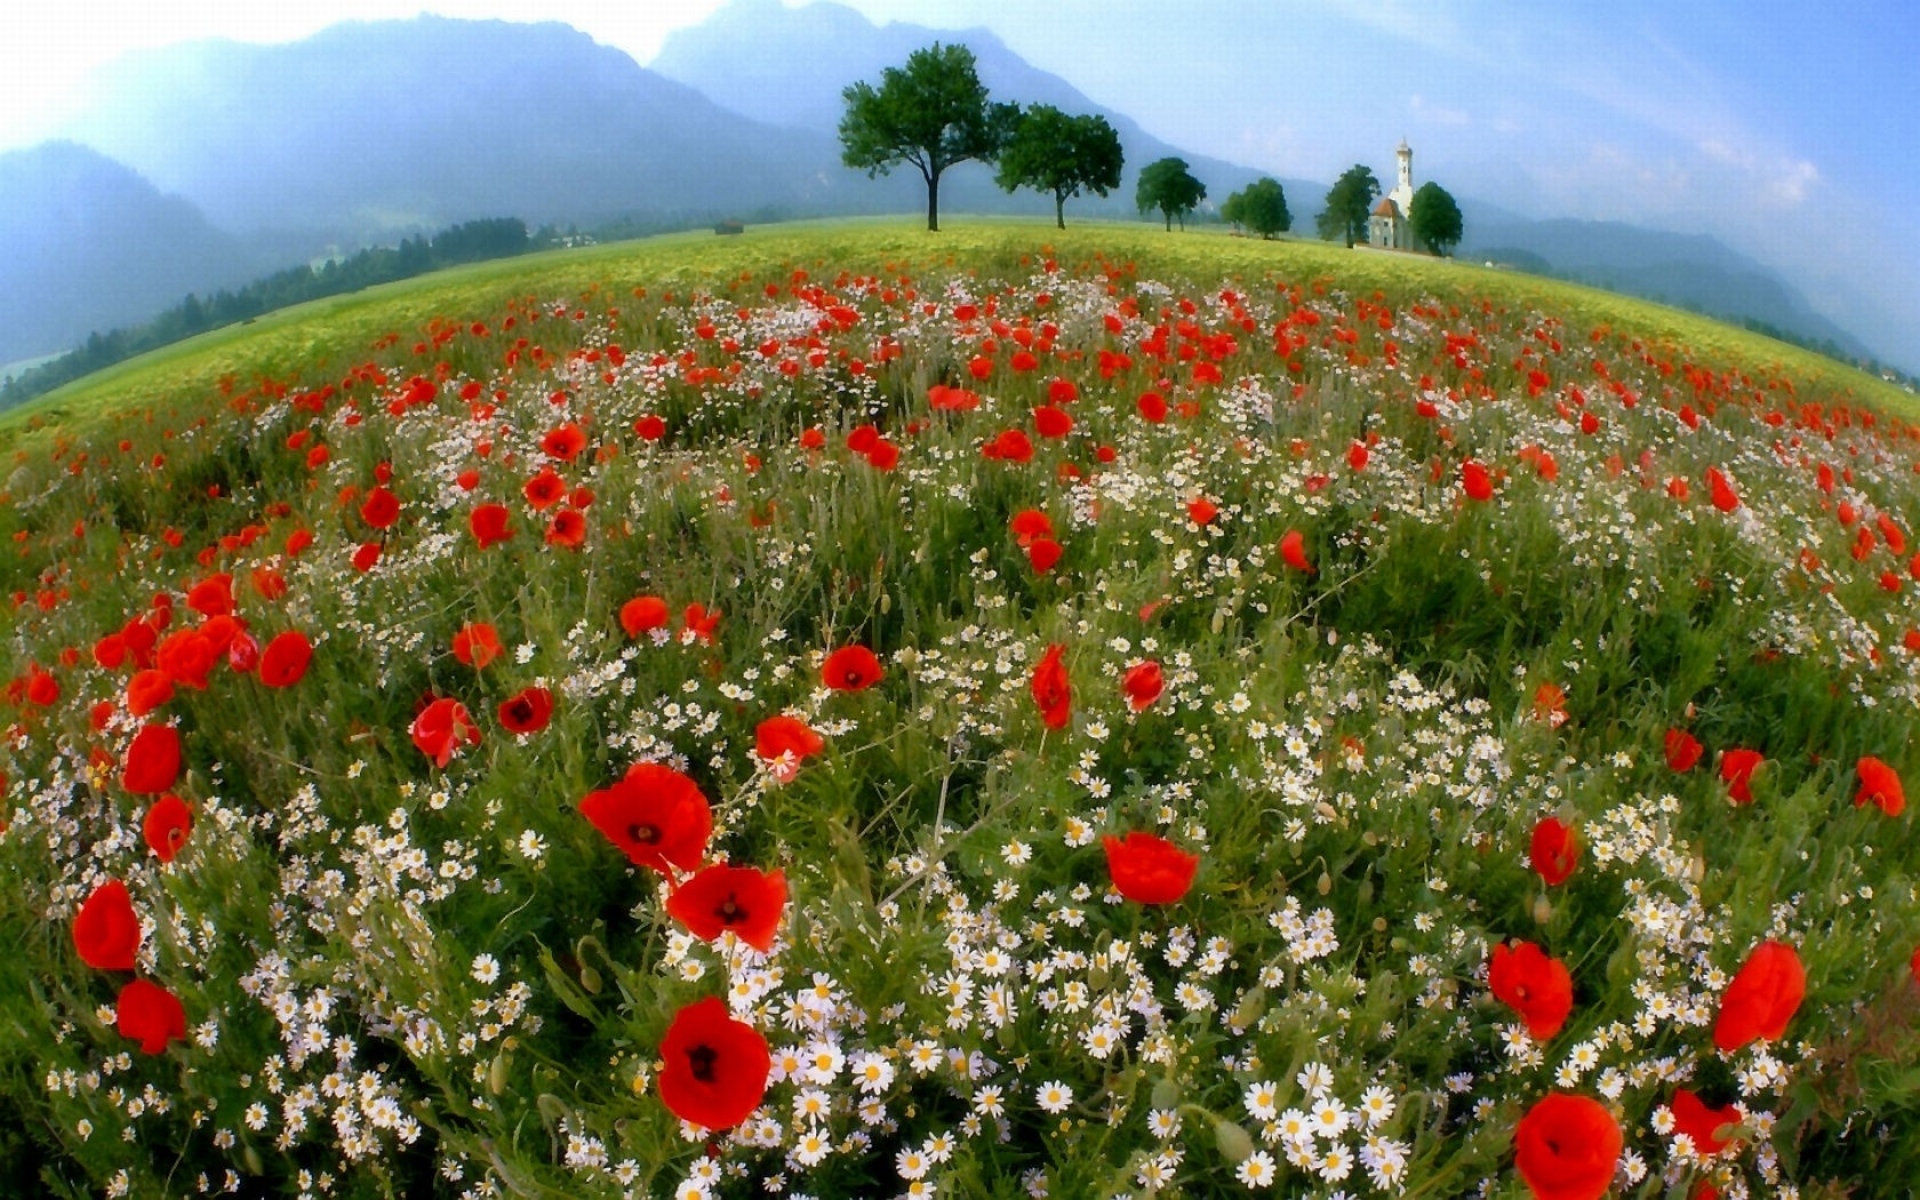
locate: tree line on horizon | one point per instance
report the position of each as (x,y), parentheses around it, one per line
(934,113)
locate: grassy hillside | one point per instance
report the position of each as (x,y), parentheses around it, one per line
(838,711)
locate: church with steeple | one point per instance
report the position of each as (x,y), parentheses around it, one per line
(1388,227)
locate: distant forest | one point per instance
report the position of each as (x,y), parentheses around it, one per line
(472,241)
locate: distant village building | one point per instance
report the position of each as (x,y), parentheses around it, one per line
(1389,227)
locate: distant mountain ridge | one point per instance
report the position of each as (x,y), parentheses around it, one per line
(789,66)
(87,244)
(410,125)
(214,162)
(1685,270)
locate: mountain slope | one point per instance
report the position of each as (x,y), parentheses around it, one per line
(87,244)
(417,124)
(1686,270)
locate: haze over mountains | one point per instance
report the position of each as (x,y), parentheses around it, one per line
(203,164)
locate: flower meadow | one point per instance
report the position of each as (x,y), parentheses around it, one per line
(1041,721)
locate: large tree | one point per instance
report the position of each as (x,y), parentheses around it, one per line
(1050,151)
(1349,203)
(1435,218)
(1262,208)
(1168,186)
(933,113)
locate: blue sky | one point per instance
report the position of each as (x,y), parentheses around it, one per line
(1789,130)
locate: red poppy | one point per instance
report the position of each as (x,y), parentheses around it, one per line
(544,490)
(1142,683)
(168,822)
(568,529)
(642,614)
(1724,497)
(656,816)
(153,760)
(1153,407)
(719,898)
(441,728)
(1030,525)
(1013,445)
(851,669)
(1683,750)
(783,742)
(1050,422)
(477,644)
(1567,1147)
(1149,869)
(1202,510)
(564,443)
(1555,850)
(1357,455)
(527,711)
(1534,985)
(651,428)
(1043,555)
(1293,551)
(42,688)
(106,931)
(1476,480)
(1736,770)
(187,655)
(148,690)
(150,1015)
(212,596)
(489,525)
(1880,784)
(699,622)
(284,662)
(862,438)
(714,1069)
(1692,1117)
(381,508)
(883,455)
(1051,691)
(942,398)
(1764,995)
(1550,704)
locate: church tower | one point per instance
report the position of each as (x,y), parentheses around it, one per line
(1402,193)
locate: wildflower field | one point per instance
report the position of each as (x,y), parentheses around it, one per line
(1016,713)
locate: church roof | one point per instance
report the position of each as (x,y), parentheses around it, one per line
(1386,208)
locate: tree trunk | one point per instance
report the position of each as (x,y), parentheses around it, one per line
(933,202)
(1168,214)
(1060,210)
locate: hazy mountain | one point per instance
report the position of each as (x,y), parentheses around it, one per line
(414,125)
(789,67)
(366,131)
(87,244)
(1685,270)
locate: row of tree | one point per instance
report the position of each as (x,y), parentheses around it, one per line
(934,113)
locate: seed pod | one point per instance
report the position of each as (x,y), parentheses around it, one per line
(1251,1006)
(1235,1143)
(1166,1092)
(1325,883)
(497,1074)
(1542,909)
